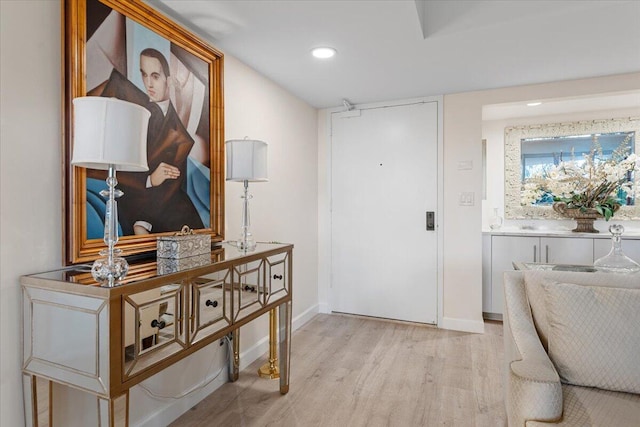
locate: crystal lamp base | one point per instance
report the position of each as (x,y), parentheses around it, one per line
(108,271)
(246,243)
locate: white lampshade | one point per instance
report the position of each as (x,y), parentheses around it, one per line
(109,131)
(246,160)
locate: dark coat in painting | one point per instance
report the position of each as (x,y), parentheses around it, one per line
(166,207)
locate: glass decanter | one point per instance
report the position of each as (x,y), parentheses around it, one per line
(616,261)
(496,220)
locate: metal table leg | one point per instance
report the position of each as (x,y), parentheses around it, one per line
(270,369)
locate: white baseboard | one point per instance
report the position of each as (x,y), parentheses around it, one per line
(304,317)
(175,408)
(324,308)
(464,325)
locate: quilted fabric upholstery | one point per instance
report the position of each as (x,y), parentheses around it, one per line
(533,386)
(534,395)
(535,280)
(594,335)
(591,407)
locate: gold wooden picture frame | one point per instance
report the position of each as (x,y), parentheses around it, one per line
(126,49)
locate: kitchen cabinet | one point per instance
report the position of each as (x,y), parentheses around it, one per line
(501,249)
(505,250)
(566,250)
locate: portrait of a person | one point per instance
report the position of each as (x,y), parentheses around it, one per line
(162,199)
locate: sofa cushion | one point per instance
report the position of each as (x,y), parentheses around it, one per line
(535,279)
(594,335)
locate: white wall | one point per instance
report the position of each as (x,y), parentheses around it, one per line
(462,141)
(283,209)
(30,174)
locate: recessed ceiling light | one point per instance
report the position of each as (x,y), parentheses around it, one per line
(533,104)
(323,52)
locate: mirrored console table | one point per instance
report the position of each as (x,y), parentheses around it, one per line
(103,341)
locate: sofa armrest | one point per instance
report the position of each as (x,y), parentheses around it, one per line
(533,389)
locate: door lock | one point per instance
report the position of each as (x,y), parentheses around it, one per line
(431,221)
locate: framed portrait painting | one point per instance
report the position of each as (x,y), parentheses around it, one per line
(127,50)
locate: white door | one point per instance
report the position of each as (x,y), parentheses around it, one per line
(384,181)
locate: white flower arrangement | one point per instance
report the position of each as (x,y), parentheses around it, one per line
(593,182)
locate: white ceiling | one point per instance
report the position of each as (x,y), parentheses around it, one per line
(383,53)
(549,107)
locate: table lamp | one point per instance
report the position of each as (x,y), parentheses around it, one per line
(110,134)
(246,162)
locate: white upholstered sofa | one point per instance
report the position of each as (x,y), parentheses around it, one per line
(572,348)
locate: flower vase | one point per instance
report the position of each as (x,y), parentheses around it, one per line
(584,217)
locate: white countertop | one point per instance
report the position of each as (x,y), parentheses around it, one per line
(556,232)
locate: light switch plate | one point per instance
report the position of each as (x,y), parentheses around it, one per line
(464,165)
(467,199)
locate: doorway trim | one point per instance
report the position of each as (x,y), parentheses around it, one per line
(326,293)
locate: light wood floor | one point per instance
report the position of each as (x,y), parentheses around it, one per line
(355,371)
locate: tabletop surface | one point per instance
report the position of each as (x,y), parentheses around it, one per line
(149,267)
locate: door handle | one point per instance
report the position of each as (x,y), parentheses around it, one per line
(431,221)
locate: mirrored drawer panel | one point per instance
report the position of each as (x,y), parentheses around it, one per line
(277,279)
(210,304)
(248,288)
(153,327)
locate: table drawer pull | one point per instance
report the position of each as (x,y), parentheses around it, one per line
(158,324)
